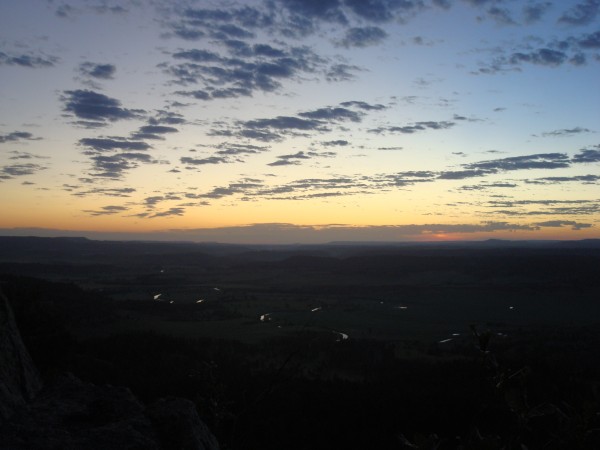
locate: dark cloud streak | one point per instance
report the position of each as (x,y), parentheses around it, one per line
(363,37)
(98,71)
(96,107)
(17,136)
(27,60)
(583,13)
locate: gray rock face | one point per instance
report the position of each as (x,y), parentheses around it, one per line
(19,379)
(70,414)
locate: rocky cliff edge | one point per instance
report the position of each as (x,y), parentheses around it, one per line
(70,414)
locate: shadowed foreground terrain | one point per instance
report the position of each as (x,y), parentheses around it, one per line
(70,414)
(475,345)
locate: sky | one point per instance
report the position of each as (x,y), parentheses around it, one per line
(300,121)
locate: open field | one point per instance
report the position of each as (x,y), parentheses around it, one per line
(392,293)
(357,343)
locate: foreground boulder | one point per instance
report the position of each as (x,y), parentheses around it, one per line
(70,414)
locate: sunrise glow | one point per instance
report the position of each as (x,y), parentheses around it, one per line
(292,121)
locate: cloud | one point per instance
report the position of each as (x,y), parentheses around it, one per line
(583,179)
(268,50)
(590,41)
(197,94)
(98,71)
(383,10)
(466,119)
(566,132)
(575,50)
(175,211)
(363,184)
(545,202)
(106,9)
(336,143)
(106,210)
(244,70)
(315,195)
(151,202)
(341,72)
(463,174)
(167,117)
(363,105)
(485,186)
(89,124)
(153,132)
(420,40)
(114,166)
(333,114)
(541,57)
(284,162)
(17,136)
(369,184)
(583,13)
(284,123)
(483,168)
(107,192)
(16,155)
(158,129)
(27,60)
(445,4)
(501,15)
(534,12)
(293,159)
(203,161)
(303,14)
(198,23)
(553,207)
(479,3)
(198,56)
(260,135)
(323,233)
(18,170)
(587,156)
(276,128)
(363,37)
(96,107)
(416,127)
(537,161)
(564,223)
(64,11)
(299,189)
(239,149)
(408,178)
(108,144)
(229,31)
(232,189)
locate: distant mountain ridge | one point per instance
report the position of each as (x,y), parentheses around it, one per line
(39,242)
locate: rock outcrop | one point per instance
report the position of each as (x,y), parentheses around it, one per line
(70,414)
(19,379)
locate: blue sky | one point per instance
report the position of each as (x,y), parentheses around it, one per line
(301,121)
